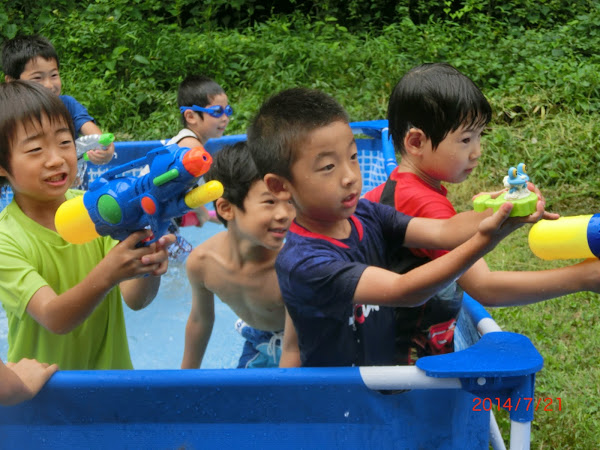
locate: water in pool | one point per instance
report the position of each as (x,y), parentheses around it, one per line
(157,333)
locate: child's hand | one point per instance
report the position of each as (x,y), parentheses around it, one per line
(546,215)
(499,224)
(160,257)
(540,212)
(101,157)
(126,260)
(494,194)
(33,374)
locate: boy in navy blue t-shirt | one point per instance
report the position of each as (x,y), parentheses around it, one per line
(332,271)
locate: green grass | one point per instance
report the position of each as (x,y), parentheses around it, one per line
(566,330)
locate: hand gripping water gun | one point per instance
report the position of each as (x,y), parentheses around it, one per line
(117,204)
(83,144)
(524,201)
(571,237)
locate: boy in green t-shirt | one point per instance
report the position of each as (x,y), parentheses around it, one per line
(62,301)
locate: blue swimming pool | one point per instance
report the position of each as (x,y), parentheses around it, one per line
(268,408)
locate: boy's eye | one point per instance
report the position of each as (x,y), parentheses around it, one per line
(354,156)
(328,167)
(467,140)
(33,150)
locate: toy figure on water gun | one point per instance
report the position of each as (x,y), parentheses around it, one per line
(117,205)
(524,201)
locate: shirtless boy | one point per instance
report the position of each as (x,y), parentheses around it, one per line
(238,265)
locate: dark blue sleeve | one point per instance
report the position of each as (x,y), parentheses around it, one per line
(393,224)
(79,114)
(317,282)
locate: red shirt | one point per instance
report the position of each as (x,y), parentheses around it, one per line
(414,197)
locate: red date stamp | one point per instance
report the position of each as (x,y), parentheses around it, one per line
(519,404)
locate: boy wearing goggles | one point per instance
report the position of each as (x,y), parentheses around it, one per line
(205,111)
(205,114)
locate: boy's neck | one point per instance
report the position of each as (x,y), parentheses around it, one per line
(337,229)
(406,165)
(199,136)
(41,212)
(243,251)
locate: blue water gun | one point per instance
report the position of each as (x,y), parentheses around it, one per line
(117,204)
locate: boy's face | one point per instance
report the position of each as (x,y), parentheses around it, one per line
(44,72)
(456,156)
(209,127)
(43,162)
(326,180)
(266,219)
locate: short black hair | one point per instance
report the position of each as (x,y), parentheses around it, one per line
(282,124)
(18,51)
(437,99)
(26,102)
(234,168)
(197,90)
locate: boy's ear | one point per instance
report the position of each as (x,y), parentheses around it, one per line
(414,141)
(190,116)
(3,172)
(8,78)
(278,186)
(225,209)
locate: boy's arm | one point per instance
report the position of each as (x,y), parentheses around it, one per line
(200,323)
(521,288)
(23,380)
(62,313)
(457,228)
(382,287)
(139,292)
(97,156)
(449,233)
(290,352)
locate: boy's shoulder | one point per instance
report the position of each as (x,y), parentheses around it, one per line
(79,113)
(369,219)
(69,101)
(184,133)
(202,260)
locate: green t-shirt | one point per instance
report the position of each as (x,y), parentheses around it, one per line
(32,256)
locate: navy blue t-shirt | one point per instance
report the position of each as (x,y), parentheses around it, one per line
(318,277)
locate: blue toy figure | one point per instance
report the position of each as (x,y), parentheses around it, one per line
(117,205)
(523,199)
(516,182)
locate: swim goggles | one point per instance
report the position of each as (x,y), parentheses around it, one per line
(213,111)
